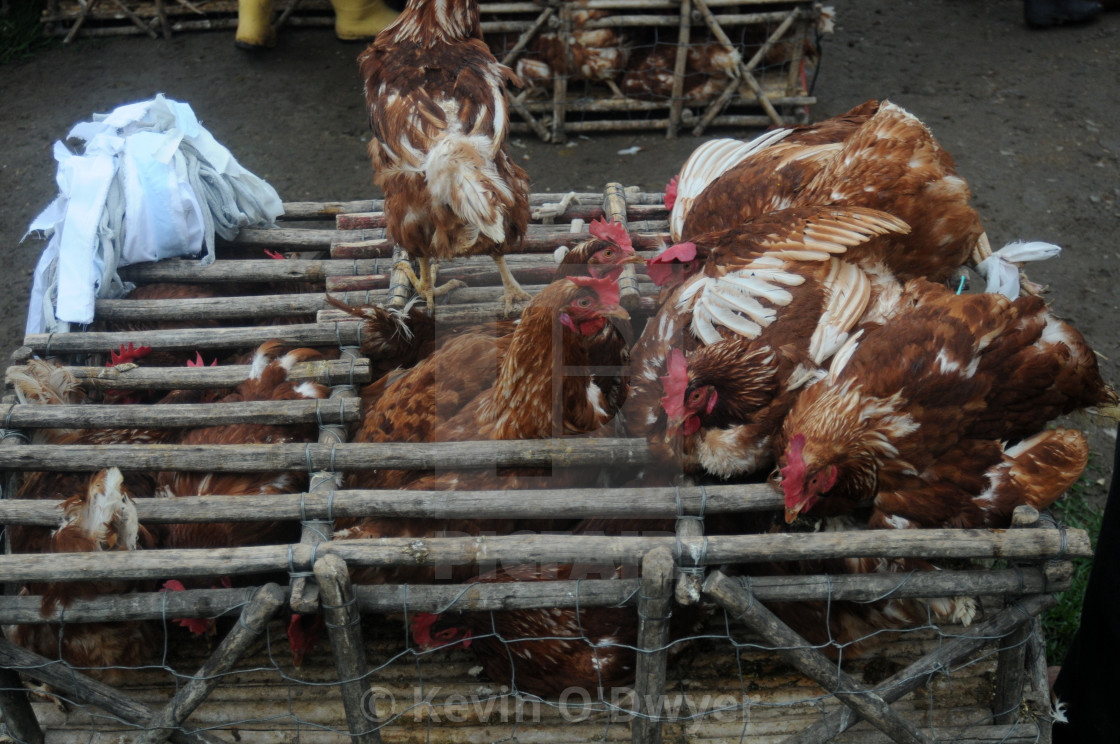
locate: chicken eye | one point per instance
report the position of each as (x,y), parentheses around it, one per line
(583,302)
(696,396)
(687,266)
(608,253)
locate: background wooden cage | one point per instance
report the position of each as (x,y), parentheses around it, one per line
(983,683)
(761,55)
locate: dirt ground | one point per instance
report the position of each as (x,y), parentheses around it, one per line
(1028,115)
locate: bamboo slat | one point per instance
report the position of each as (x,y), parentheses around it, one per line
(510,549)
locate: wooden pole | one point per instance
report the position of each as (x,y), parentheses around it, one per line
(265,458)
(9,486)
(315,530)
(690,534)
(209,603)
(560,77)
(252,623)
(576,503)
(1040,681)
(192,339)
(654,611)
(181,415)
(614,207)
(797,651)
(676,104)
(745,71)
(1011,666)
(19,720)
(344,623)
(124,377)
(515,549)
(79,688)
(265,270)
(210,308)
(953,650)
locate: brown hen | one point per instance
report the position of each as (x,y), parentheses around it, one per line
(439,121)
(476,387)
(940,415)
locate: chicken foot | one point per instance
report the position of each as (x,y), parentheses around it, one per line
(423,284)
(513,291)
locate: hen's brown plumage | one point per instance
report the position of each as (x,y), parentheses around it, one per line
(772,303)
(877,156)
(476,387)
(439,121)
(98,516)
(267,381)
(934,415)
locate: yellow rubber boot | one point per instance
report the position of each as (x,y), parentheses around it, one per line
(360,19)
(254,25)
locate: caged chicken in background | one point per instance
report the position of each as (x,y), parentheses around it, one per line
(440,122)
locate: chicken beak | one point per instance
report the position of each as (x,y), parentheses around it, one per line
(616,312)
(791,514)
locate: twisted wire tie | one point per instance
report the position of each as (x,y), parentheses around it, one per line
(292,572)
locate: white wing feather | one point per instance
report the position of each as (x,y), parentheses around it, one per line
(707,163)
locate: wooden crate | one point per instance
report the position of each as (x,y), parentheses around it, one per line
(742,679)
(677,65)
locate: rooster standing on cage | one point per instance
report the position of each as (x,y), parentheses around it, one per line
(439,121)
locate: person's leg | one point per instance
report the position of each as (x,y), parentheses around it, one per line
(363,19)
(1087,682)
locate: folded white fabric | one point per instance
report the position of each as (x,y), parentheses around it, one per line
(150,183)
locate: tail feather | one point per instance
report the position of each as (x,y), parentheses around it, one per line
(1038,470)
(44,382)
(462,178)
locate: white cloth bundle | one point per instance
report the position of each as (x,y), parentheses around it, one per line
(1001,269)
(150,183)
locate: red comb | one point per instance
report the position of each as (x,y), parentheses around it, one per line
(421,628)
(198,361)
(612,232)
(131,354)
(606,287)
(793,474)
(274,254)
(671,192)
(675,382)
(659,267)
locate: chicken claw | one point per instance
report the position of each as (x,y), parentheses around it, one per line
(513,291)
(423,284)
